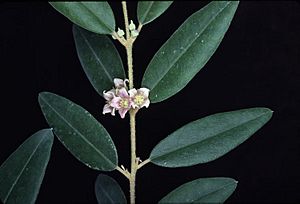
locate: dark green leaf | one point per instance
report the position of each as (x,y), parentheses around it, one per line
(99,58)
(93,16)
(108,191)
(209,138)
(79,132)
(203,190)
(21,175)
(188,50)
(147,11)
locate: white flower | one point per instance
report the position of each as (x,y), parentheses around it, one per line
(140,97)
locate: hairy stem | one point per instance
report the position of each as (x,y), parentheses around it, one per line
(124,6)
(132,112)
(130,64)
(134,164)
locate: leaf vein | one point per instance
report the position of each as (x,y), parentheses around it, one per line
(22,170)
(95,54)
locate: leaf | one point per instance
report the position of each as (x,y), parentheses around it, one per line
(97,17)
(21,175)
(147,11)
(183,55)
(203,190)
(209,138)
(79,132)
(99,58)
(107,190)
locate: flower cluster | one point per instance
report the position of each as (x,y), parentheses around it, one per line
(121,99)
(132,28)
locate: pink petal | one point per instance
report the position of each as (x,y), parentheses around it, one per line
(107,109)
(113,111)
(132,92)
(126,81)
(119,83)
(123,93)
(109,94)
(122,112)
(115,102)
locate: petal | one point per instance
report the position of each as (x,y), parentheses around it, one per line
(126,81)
(123,112)
(133,105)
(115,102)
(107,109)
(119,83)
(132,92)
(109,95)
(144,91)
(146,103)
(123,93)
(113,111)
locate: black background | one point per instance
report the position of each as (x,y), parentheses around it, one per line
(256,65)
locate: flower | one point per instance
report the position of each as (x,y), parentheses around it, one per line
(108,97)
(120,32)
(134,33)
(120,83)
(131,25)
(140,97)
(122,102)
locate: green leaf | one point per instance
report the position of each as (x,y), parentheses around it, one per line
(107,190)
(79,132)
(147,11)
(97,17)
(21,175)
(187,50)
(203,190)
(99,58)
(209,138)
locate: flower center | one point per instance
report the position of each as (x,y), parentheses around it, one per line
(124,103)
(139,99)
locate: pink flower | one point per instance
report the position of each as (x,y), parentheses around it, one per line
(108,97)
(122,102)
(140,97)
(120,83)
